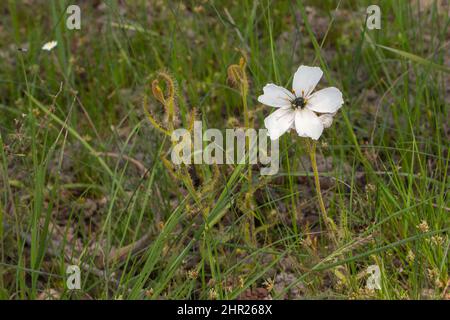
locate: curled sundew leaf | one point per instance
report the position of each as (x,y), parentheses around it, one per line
(167,100)
(153,120)
(157,92)
(236,73)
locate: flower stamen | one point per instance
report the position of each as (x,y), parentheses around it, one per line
(298,103)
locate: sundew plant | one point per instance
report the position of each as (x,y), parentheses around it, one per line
(224,149)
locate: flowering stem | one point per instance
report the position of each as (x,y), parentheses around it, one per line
(248,197)
(329,224)
(244,91)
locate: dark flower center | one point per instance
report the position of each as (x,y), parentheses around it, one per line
(298,102)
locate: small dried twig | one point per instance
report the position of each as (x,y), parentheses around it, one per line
(118,255)
(137,163)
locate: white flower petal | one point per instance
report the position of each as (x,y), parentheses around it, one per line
(327,119)
(279,122)
(49,45)
(276,96)
(327,100)
(305,80)
(308,124)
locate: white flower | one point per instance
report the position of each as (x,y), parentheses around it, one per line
(49,45)
(309,113)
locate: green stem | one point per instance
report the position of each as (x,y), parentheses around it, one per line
(244,91)
(329,224)
(251,220)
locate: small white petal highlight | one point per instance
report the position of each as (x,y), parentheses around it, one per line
(276,96)
(49,45)
(306,79)
(327,119)
(327,100)
(279,122)
(308,124)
